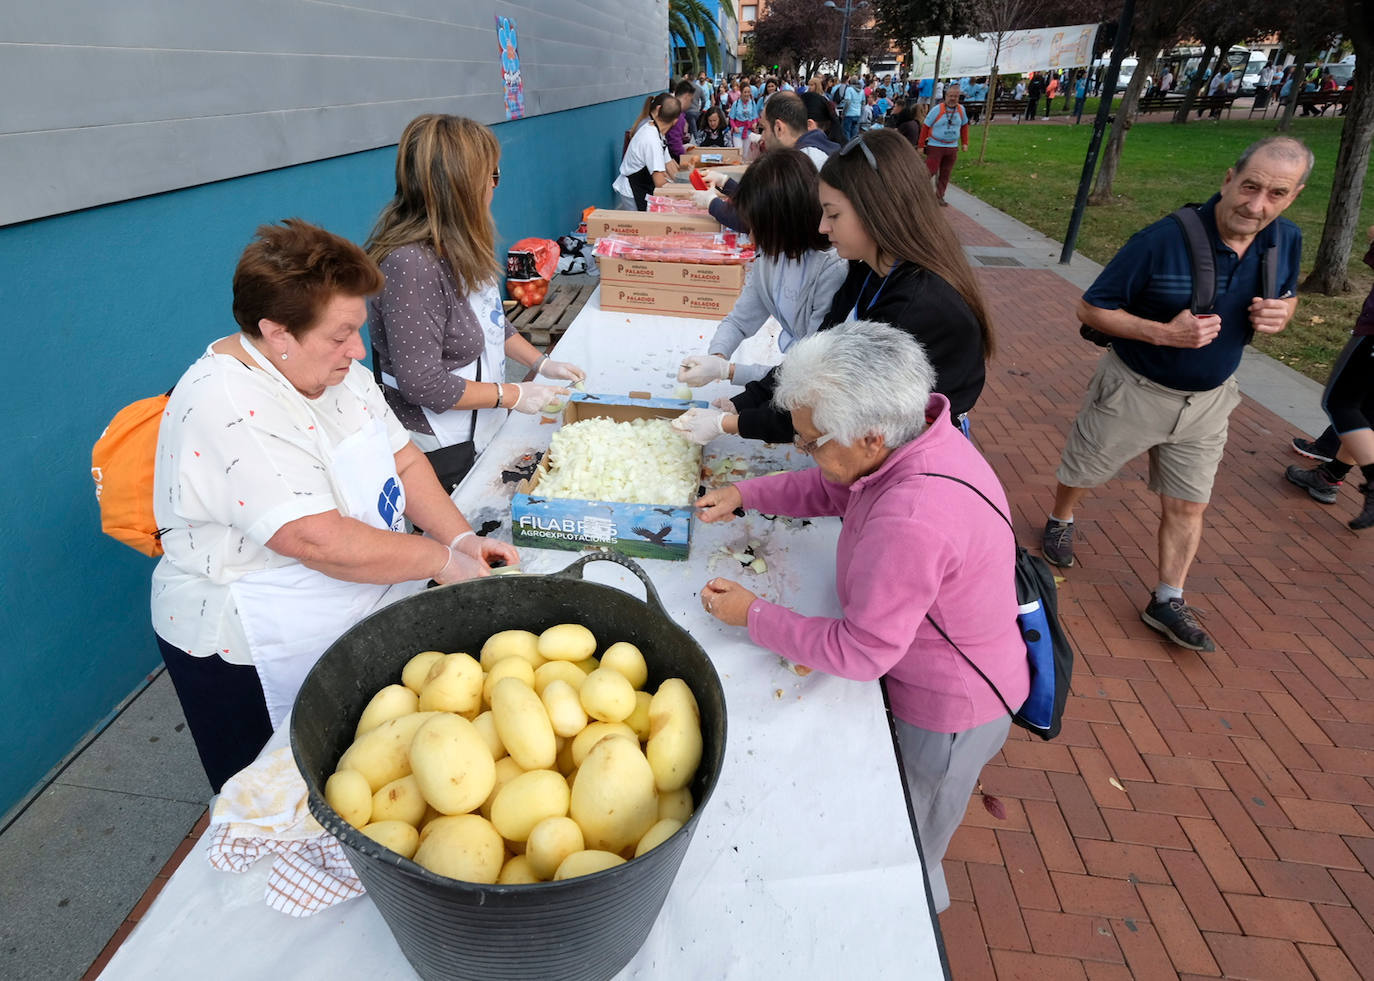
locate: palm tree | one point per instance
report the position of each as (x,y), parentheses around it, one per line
(686,20)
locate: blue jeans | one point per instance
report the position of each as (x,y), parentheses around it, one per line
(851,127)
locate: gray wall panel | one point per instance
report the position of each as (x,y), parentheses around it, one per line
(144,96)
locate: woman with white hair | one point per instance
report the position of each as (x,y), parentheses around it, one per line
(918,555)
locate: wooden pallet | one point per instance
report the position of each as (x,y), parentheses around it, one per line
(544,324)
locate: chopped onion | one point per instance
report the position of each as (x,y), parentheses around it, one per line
(641,462)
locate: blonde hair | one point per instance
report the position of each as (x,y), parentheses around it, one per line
(444,166)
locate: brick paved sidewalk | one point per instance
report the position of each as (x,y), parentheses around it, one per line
(1201,815)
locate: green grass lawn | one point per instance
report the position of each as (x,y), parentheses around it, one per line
(1032,173)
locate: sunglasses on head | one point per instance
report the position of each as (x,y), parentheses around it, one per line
(858,141)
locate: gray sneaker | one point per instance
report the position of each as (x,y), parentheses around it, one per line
(1178,622)
(1318,486)
(1057,543)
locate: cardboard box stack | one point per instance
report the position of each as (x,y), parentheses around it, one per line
(682,274)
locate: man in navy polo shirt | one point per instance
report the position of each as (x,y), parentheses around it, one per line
(1166,385)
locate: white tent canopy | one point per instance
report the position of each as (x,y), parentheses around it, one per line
(1022,51)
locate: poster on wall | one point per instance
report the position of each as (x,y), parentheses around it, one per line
(510,68)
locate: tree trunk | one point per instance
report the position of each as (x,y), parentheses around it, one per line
(935,78)
(1331,269)
(1111,153)
(989,98)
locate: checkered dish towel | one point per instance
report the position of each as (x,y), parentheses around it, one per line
(262,811)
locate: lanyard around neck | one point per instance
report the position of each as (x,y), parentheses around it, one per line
(874,298)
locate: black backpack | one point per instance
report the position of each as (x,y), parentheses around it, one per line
(1047,646)
(1204,270)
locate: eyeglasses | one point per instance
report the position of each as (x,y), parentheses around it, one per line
(496,177)
(810,446)
(858,141)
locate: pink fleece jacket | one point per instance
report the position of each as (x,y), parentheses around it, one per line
(909,545)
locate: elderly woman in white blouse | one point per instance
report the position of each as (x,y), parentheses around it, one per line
(281,488)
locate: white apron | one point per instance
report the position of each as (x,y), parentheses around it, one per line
(292,614)
(456,425)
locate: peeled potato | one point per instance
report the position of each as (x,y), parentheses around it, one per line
(454,685)
(523,724)
(675,744)
(506,771)
(383,755)
(614,800)
(550,841)
(567,642)
(463,847)
(675,804)
(486,725)
(391,702)
(584,741)
(566,714)
(348,793)
(638,720)
(558,671)
(400,800)
(587,862)
(511,667)
(516,872)
(607,695)
(417,669)
(400,837)
(627,659)
(528,799)
(658,833)
(511,643)
(452,764)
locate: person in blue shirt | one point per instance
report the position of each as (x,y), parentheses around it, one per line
(849,99)
(1080,95)
(943,134)
(1166,384)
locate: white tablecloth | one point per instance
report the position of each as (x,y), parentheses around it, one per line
(803,864)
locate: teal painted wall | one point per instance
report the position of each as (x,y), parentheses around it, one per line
(111,304)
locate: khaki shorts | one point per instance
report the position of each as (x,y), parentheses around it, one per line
(1125,414)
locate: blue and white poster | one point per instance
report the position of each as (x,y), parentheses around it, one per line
(510,68)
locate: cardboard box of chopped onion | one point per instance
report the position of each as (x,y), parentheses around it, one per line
(615,476)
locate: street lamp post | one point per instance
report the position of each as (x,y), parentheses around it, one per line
(849,7)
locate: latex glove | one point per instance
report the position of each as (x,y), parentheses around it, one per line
(488,551)
(531,398)
(703,199)
(699,425)
(715,178)
(460,566)
(565,370)
(725,405)
(697,370)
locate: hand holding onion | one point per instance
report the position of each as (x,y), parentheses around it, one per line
(700,425)
(532,397)
(563,370)
(486,550)
(719,504)
(697,370)
(727,601)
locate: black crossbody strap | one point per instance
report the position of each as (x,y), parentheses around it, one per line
(940,630)
(1200,256)
(1269,274)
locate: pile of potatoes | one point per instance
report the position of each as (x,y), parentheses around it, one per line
(533,762)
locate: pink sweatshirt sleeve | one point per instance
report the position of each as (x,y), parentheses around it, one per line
(797,494)
(891,578)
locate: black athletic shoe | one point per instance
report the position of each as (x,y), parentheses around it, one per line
(1057,543)
(1308,448)
(1365,518)
(1178,622)
(1315,482)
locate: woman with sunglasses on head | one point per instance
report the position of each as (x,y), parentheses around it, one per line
(906,268)
(440,337)
(647,165)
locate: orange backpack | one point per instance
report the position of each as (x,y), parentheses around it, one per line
(122,463)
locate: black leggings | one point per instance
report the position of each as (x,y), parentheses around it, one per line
(224,707)
(1349,396)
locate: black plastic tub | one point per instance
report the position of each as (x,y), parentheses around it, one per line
(584,928)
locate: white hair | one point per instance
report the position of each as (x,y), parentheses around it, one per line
(858,379)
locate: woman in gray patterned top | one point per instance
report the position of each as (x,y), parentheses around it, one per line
(440,334)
